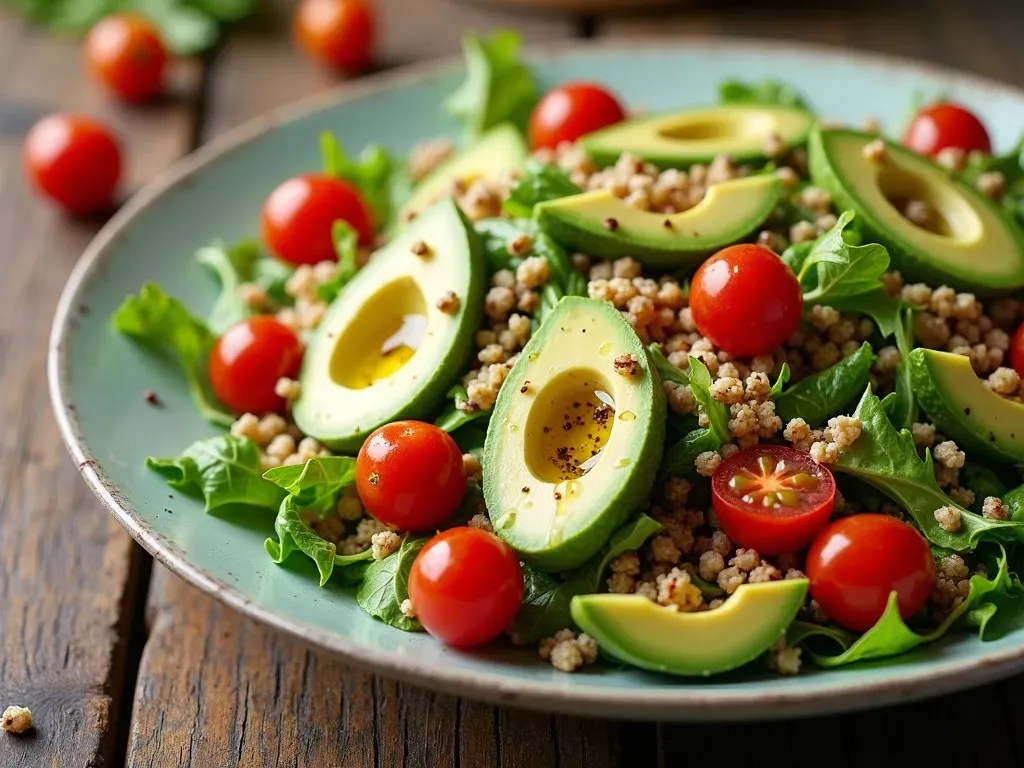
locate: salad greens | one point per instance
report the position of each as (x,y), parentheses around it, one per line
(841,269)
(315,484)
(901,405)
(827,393)
(372,174)
(717,412)
(241,263)
(456,415)
(539,183)
(346,242)
(385,586)
(768,92)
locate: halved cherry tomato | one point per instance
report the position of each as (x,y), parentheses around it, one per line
(126,54)
(75,161)
(299,215)
(466,586)
(1017,350)
(247,361)
(338,33)
(409,474)
(938,126)
(857,561)
(746,300)
(570,111)
(772,498)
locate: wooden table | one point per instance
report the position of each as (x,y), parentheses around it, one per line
(122,662)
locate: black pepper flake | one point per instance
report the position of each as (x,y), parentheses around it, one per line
(151,397)
(526,489)
(558,496)
(374,478)
(991,437)
(967,411)
(611,224)
(667,224)
(525,388)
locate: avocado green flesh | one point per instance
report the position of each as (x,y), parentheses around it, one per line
(692,136)
(384,350)
(981,422)
(546,494)
(972,244)
(600,224)
(637,631)
(494,154)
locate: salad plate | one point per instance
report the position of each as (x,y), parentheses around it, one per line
(99,379)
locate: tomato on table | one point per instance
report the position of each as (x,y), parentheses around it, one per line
(858,561)
(338,33)
(1017,350)
(466,586)
(75,161)
(772,498)
(299,215)
(125,53)
(746,300)
(409,475)
(570,111)
(247,361)
(944,125)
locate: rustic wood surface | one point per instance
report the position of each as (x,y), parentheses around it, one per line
(124,663)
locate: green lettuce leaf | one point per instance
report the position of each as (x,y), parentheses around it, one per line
(827,393)
(454,416)
(496,234)
(769,92)
(164,324)
(842,269)
(679,459)
(241,263)
(316,483)
(346,242)
(539,183)
(385,586)
(717,413)
(781,381)
(666,371)
(880,306)
(901,405)
(372,174)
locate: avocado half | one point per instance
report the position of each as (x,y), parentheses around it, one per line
(572,446)
(682,139)
(962,407)
(637,631)
(600,224)
(384,350)
(973,244)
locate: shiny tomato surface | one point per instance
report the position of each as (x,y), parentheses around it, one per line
(338,33)
(570,111)
(126,54)
(247,361)
(939,126)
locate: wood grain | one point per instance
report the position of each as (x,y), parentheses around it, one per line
(68,572)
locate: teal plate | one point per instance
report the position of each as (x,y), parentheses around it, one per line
(97,378)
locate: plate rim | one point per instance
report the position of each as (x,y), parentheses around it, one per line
(705,703)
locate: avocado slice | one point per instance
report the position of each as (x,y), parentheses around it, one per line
(499,151)
(637,631)
(982,422)
(694,136)
(384,350)
(600,224)
(972,244)
(548,496)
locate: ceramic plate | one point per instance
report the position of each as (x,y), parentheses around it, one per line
(97,378)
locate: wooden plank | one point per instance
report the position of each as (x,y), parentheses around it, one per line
(68,572)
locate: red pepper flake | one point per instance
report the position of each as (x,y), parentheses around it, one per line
(611,224)
(151,397)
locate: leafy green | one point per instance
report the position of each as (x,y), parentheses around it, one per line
(346,242)
(455,416)
(665,369)
(888,460)
(717,413)
(232,266)
(316,483)
(563,277)
(983,482)
(496,234)
(768,92)
(225,470)
(498,87)
(796,254)
(1014,501)
(842,269)
(164,324)
(901,405)
(679,458)
(372,174)
(386,585)
(822,395)
(539,183)
(781,381)
(886,310)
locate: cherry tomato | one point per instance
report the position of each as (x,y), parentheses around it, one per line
(938,126)
(124,52)
(299,215)
(856,562)
(746,300)
(75,161)
(1017,350)
(570,111)
(772,498)
(466,586)
(247,361)
(409,475)
(338,33)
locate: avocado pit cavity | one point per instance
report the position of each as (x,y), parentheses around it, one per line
(948,213)
(720,125)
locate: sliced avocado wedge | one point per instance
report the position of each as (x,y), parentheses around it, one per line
(694,136)
(572,446)
(981,422)
(500,150)
(384,350)
(600,224)
(637,631)
(971,243)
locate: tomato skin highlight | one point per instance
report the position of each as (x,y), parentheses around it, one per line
(466,586)
(570,111)
(746,300)
(1017,350)
(775,531)
(338,33)
(74,161)
(298,217)
(939,126)
(409,475)
(857,561)
(247,361)
(126,54)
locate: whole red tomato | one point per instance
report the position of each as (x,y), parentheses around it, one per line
(247,361)
(75,161)
(570,111)
(746,300)
(938,126)
(466,586)
(409,475)
(126,54)
(857,561)
(338,33)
